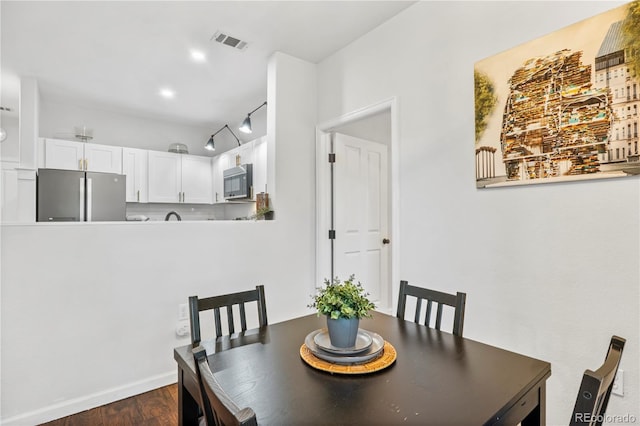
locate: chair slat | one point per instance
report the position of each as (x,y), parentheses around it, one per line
(232,327)
(218,321)
(419,309)
(243,318)
(427,316)
(439,316)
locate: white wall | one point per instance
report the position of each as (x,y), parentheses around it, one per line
(551,271)
(60,117)
(89,310)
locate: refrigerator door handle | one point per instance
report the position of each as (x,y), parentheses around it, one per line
(81,199)
(89,194)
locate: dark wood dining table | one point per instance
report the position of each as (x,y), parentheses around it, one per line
(436,379)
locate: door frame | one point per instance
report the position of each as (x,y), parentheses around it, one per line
(323,192)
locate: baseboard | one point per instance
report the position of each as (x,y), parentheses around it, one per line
(77,405)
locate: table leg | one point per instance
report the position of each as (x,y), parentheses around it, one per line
(538,416)
(187,406)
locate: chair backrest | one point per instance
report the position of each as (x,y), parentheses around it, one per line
(227,301)
(457,301)
(595,389)
(219,409)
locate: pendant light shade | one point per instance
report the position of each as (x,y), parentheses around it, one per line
(211,144)
(245,127)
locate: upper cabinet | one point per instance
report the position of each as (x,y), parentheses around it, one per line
(197,180)
(220,163)
(179,178)
(71,155)
(134,166)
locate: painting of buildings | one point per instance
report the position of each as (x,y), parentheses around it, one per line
(563,107)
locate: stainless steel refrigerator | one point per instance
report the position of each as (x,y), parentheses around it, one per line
(75,196)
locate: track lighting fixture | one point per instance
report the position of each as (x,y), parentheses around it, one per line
(245,127)
(211,145)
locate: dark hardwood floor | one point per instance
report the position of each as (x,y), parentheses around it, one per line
(157,407)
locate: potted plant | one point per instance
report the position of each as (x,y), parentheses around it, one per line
(344,304)
(263,213)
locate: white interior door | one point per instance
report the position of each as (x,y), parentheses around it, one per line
(361,214)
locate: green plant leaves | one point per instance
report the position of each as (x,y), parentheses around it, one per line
(342,300)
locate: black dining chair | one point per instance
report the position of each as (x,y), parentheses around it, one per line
(595,389)
(219,409)
(228,301)
(457,301)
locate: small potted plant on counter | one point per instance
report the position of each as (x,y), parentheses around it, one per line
(263,213)
(344,304)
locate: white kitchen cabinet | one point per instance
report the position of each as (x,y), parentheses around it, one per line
(220,163)
(197,180)
(165,177)
(72,155)
(245,152)
(179,178)
(103,158)
(134,166)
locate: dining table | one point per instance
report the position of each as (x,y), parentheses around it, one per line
(434,378)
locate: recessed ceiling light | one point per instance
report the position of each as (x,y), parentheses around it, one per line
(198,55)
(167,93)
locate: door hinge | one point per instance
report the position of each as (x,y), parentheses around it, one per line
(332,157)
(332,234)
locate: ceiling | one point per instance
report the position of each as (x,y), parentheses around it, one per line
(120,54)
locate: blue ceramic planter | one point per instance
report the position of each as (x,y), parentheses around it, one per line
(343,331)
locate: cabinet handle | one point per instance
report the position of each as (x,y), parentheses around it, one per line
(183,197)
(138,195)
(80,164)
(86,164)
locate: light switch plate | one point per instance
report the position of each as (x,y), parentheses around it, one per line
(183,312)
(618,383)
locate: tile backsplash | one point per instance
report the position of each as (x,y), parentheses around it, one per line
(158,211)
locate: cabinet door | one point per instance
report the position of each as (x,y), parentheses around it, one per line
(103,158)
(134,166)
(61,154)
(197,180)
(165,177)
(260,165)
(246,154)
(220,163)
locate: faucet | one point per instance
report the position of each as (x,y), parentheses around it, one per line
(166,218)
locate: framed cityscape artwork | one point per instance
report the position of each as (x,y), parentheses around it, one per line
(562,107)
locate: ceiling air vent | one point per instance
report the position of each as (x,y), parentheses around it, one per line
(223,38)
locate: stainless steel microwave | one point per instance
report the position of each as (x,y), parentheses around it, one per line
(238,182)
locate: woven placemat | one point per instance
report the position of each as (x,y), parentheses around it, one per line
(387,358)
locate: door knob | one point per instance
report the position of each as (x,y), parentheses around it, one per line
(385,241)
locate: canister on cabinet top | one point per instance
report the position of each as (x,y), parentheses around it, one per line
(262,200)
